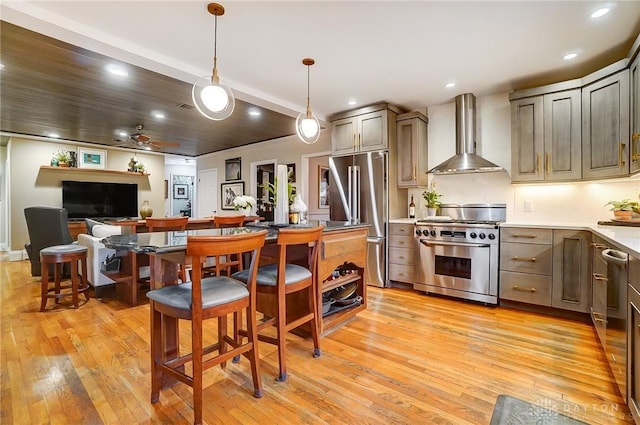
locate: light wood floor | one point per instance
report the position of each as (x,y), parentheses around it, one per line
(408,359)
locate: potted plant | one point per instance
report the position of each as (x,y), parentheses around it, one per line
(244,203)
(624,209)
(63,158)
(432,199)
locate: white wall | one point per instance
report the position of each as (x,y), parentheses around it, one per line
(579,202)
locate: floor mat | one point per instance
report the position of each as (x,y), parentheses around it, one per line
(512,411)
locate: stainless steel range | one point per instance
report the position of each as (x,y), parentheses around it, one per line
(459,251)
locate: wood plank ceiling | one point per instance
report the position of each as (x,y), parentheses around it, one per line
(49,86)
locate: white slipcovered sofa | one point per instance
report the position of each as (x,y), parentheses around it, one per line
(97,254)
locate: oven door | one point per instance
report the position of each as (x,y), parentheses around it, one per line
(454,266)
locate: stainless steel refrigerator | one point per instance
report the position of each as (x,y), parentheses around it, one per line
(358,192)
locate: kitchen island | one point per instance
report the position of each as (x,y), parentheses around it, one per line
(343,245)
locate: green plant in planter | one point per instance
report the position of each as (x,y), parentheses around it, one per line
(271,188)
(62,157)
(624,205)
(431,197)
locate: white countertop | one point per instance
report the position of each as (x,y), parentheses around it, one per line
(625,237)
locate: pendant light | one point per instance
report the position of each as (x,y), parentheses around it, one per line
(214,100)
(307,125)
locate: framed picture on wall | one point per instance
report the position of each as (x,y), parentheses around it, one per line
(180,191)
(228,192)
(291,173)
(92,158)
(323,186)
(233,169)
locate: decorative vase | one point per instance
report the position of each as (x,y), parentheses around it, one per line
(431,211)
(146,210)
(63,164)
(245,210)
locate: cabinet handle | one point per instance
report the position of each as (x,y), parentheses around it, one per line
(548,161)
(599,246)
(634,147)
(415,177)
(355,146)
(599,277)
(530,259)
(359,142)
(538,164)
(518,288)
(620,159)
(521,235)
(597,319)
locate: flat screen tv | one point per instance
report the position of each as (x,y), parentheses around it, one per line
(100,200)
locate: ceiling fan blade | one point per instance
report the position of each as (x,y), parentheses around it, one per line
(164,143)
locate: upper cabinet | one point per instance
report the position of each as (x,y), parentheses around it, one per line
(605,127)
(364,129)
(634,83)
(411,141)
(545,136)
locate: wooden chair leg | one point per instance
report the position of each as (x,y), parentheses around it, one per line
(237,325)
(222,333)
(282,341)
(313,306)
(57,277)
(253,353)
(156,352)
(83,262)
(44,273)
(196,344)
(74,283)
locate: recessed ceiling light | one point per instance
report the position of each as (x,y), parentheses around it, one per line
(54,135)
(450,85)
(255,113)
(158,114)
(1,66)
(122,133)
(352,102)
(117,70)
(600,12)
(570,56)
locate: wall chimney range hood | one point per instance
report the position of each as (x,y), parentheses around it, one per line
(465,160)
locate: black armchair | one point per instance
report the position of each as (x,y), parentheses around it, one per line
(47,226)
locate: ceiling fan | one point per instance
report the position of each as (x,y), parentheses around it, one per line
(141,140)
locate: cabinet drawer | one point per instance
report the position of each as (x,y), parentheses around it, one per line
(528,235)
(526,258)
(526,288)
(401,273)
(401,256)
(401,229)
(404,242)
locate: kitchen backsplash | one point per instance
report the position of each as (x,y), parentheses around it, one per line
(576,202)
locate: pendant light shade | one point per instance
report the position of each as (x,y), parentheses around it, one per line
(307,125)
(214,100)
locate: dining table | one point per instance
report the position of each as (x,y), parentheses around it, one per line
(341,241)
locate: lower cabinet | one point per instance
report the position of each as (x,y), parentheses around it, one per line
(402,253)
(633,338)
(546,267)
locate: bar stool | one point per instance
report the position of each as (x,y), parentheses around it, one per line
(59,255)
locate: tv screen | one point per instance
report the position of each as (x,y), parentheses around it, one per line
(100,200)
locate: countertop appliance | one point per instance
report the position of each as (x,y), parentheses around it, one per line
(459,251)
(359,193)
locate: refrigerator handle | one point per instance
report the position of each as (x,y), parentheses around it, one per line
(355,195)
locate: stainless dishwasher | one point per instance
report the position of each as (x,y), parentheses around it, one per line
(616,333)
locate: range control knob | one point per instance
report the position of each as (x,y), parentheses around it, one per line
(425,232)
(492,236)
(481,236)
(433,233)
(418,232)
(473,235)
